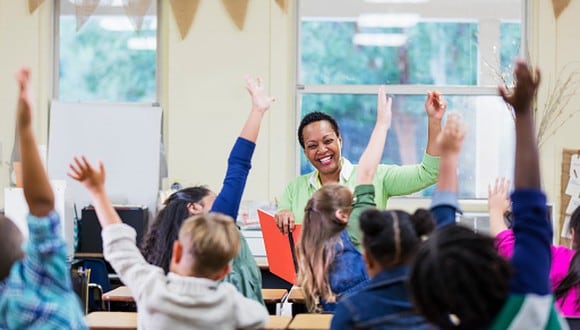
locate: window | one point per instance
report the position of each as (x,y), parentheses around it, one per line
(106,60)
(461,48)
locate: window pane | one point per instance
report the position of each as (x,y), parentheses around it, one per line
(510,48)
(487,151)
(107,60)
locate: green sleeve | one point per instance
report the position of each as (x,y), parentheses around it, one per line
(364,198)
(407,179)
(285,201)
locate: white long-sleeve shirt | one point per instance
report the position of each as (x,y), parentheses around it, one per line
(173,301)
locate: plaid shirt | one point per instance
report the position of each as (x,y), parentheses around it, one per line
(38,293)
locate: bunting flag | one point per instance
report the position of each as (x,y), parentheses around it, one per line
(184,12)
(559,6)
(237,10)
(283,4)
(84,9)
(135,10)
(33,4)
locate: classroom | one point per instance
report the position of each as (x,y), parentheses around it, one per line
(186,72)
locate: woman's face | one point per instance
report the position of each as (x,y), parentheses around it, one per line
(322,147)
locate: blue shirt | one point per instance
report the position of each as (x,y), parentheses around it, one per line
(38,292)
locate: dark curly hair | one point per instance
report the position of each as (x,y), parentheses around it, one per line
(312,118)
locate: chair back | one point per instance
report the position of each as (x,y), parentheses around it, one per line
(80,278)
(573,322)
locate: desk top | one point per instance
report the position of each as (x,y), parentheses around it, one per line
(296,295)
(112,321)
(121,293)
(278,322)
(311,321)
(273,295)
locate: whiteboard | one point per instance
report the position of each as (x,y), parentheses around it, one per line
(125,137)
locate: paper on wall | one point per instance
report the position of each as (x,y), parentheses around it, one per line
(572,205)
(573,187)
(566,228)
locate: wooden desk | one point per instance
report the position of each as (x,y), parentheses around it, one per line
(311,321)
(272,297)
(121,293)
(112,321)
(296,295)
(82,255)
(278,322)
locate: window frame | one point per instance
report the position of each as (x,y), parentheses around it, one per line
(56,57)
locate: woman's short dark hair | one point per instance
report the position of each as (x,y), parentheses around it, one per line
(157,245)
(392,237)
(458,280)
(314,117)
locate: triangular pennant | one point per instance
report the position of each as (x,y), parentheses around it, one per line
(84,9)
(184,12)
(283,4)
(135,10)
(33,4)
(559,6)
(237,10)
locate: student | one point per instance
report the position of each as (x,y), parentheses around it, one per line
(190,295)
(564,273)
(329,261)
(245,274)
(35,287)
(319,136)
(390,239)
(458,280)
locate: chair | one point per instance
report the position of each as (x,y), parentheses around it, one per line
(80,283)
(99,283)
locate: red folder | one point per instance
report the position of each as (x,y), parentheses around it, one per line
(280,248)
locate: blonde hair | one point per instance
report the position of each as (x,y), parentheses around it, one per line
(212,240)
(318,241)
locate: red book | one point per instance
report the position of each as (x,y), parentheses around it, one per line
(280,248)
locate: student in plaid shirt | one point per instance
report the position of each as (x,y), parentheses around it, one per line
(35,286)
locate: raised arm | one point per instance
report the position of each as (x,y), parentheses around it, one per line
(239,162)
(37,190)
(371,157)
(498,203)
(94,181)
(533,233)
(449,142)
(435,107)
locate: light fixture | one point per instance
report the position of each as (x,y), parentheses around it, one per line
(397,1)
(111,3)
(387,20)
(379,39)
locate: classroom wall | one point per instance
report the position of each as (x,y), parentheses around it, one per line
(203,95)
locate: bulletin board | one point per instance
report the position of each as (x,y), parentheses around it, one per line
(569,191)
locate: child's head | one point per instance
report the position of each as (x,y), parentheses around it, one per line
(572,278)
(10,246)
(205,246)
(325,216)
(391,238)
(458,280)
(180,205)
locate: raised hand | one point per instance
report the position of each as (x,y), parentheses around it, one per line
(24,112)
(260,101)
(527,82)
(91,178)
(435,105)
(450,139)
(498,199)
(384,104)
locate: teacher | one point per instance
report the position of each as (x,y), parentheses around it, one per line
(319,136)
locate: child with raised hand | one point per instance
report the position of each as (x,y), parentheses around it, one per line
(329,260)
(158,242)
(564,272)
(35,287)
(458,279)
(192,294)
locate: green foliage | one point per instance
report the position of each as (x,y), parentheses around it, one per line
(97,65)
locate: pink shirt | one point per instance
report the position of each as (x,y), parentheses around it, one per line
(561,258)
